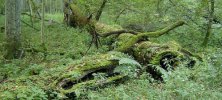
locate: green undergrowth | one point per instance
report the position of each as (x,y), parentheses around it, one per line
(65,44)
(200,82)
(181,84)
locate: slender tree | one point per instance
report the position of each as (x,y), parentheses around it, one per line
(31,12)
(2,7)
(210,22)
(100,11)
(13,28)
(158,9)
(50,6)
(66,11)
(43,36)
(43,22)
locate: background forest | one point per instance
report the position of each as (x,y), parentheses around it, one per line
(52,49)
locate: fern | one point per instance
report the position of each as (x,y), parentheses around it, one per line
(127,66)
(129,61)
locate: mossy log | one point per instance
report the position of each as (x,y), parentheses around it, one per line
(66,80)
(153,53)
(158,59)
(137,43)
(126,41)
(77,17)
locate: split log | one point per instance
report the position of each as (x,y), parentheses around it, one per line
(66,80)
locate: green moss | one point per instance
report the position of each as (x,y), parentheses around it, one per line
(162,31)
(77,17)
(93,83)
(125,42)
(152,53)
(53,78)
(158,56)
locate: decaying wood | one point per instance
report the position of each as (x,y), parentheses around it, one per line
(128,41)
(66,80)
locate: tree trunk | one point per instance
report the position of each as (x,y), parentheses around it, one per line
(43,22)
(50,6)
(66,11)
(100,11)
(31,12)
(158,9)
(13,29)
(36,8)
(210,22)
(2,6)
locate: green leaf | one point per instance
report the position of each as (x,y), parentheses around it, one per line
(128,61)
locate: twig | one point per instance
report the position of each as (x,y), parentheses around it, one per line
(30,25)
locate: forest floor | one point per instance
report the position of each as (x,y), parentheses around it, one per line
(204,81)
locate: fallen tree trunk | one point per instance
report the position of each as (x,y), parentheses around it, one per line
(66,80)
(155,58)
(126,41)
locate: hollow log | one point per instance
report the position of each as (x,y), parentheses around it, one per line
(66,80)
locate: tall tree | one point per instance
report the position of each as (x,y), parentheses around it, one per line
(13,28)
(66,11)
(2,6)
(31,12)
(43,22)
(210,22)
(43,36)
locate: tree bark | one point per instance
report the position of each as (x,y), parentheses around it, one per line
(100,11)
(31,12)
(210,22)
(43,22)
(66,11)
(13,29)
(128,41)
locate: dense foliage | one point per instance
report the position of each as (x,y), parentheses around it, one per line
(67,44)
